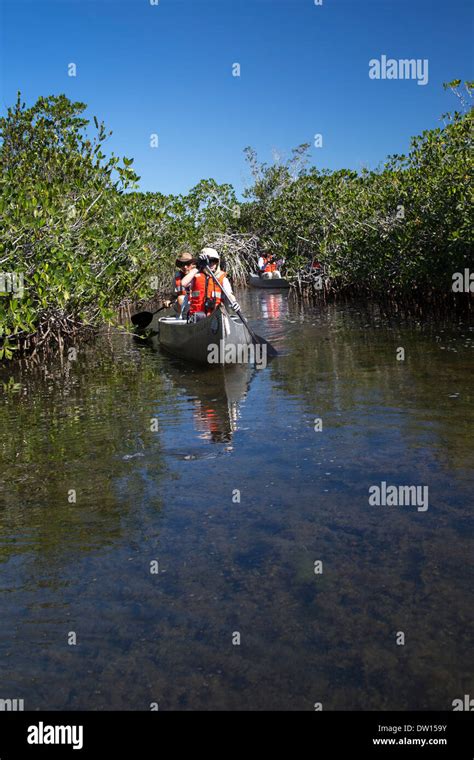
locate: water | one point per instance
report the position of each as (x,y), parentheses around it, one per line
(226,484)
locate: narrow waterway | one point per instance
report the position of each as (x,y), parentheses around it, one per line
(207,539)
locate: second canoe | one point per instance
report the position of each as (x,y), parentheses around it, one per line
(268,282)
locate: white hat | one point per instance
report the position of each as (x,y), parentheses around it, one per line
(211,253)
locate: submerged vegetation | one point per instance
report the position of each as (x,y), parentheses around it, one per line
(78,240)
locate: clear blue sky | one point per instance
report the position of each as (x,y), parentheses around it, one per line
(167,69)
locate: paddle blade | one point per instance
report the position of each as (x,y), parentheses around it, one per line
(271,351)
(142,319)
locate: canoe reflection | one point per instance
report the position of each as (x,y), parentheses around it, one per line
(215,395)
(274,305)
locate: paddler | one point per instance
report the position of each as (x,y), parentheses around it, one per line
(184,262)
(205,294)
(268,267)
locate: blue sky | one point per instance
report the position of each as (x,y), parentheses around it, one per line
(167,69)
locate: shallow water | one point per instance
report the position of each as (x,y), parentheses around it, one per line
(159,455)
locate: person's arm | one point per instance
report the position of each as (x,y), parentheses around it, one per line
(168,301)
(227,288)
(189,277)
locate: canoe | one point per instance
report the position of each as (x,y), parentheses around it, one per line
(267,282)
(220,338)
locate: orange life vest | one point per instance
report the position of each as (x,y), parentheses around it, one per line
(270,266)
(178,287)
(201,284)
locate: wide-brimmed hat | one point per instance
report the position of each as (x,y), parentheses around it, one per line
(184,258)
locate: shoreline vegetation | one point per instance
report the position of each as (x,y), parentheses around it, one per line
(80,246)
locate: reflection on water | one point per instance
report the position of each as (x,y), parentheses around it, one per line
(128,457)
(214,395)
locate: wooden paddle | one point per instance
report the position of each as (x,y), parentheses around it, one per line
(143,318)
(256,339)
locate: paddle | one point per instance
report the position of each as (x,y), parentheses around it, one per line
(256,339)
(143,318)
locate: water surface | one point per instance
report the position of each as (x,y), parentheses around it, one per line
(226,484)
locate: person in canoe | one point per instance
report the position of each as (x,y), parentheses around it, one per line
(315,267)
(268,267)
(205,294)
(184,262)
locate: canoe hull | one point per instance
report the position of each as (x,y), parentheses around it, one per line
(263,282)
(218,339)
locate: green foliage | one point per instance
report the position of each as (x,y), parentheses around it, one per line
(81,243)
(82,240)
(404,227)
